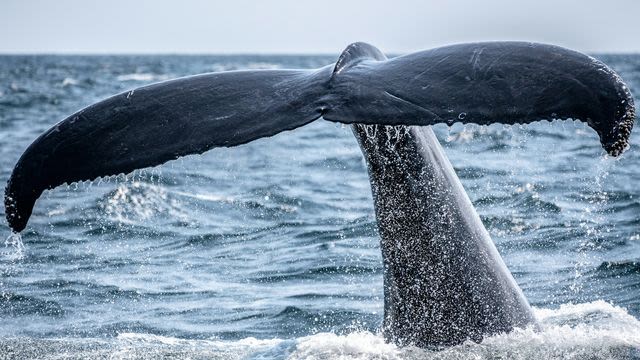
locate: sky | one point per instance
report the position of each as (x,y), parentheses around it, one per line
(316,27)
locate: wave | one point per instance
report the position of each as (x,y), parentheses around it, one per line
(596,330)
(619,268)
(19,305)
(317,272)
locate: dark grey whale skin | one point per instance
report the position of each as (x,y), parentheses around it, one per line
(444,280)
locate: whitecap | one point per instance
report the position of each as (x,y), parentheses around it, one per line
(261,65)
(141,77)
(68,82)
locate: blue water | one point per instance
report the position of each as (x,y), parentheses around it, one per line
(270,249)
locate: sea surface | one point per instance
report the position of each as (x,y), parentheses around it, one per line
(270,250)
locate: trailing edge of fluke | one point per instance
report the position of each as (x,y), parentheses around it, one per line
(483,83)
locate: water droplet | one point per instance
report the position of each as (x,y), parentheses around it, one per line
(15,247)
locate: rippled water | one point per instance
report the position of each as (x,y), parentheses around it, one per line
(270,249)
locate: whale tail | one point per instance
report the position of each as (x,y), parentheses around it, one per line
(505,82)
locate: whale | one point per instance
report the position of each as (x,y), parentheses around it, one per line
(444,280)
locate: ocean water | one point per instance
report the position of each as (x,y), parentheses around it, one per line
(270,250)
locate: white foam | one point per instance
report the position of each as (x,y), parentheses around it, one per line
(129,345)
(595,330)
(358,345)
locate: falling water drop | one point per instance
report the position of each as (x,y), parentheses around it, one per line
(448,137)
(14,247)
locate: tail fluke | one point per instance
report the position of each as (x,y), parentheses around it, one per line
(504,82)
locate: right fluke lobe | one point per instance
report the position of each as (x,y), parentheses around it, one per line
(485,83)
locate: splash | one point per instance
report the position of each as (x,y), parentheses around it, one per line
(15,247)
(595,330)
(135,202)
(593,222)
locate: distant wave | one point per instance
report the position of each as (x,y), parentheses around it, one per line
(142,77)
(255,65)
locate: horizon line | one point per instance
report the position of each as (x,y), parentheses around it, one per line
(231,53)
